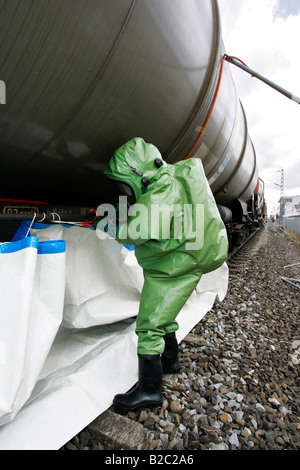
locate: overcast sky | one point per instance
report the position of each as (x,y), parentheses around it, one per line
(265,34)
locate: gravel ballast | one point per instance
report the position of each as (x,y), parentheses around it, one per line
(238,388)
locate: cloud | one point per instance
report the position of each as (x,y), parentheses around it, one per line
(266,37)
(287,7)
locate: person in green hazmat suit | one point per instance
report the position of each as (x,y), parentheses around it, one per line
(174,224)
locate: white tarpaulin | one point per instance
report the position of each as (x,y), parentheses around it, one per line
(93,355)
(32,277)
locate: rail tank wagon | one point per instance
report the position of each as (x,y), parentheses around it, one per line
(84,76)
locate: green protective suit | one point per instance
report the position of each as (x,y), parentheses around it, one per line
(177,232)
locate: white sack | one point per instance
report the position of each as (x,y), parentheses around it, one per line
(103,278)
(32,278)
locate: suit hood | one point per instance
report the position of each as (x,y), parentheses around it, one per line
(135,163)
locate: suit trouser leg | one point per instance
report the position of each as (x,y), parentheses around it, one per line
(161,301)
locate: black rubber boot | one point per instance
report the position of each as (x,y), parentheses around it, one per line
(148,389)
(169,358)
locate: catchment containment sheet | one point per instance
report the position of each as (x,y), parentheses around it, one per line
(67,341)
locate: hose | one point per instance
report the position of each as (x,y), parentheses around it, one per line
(211,110)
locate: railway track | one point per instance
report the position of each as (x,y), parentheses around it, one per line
(241,248)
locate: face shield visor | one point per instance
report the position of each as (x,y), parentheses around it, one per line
(125,190)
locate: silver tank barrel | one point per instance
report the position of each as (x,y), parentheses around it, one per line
(84,76)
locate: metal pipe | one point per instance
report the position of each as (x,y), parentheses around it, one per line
(46,218)
(254,74)
(286,279)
